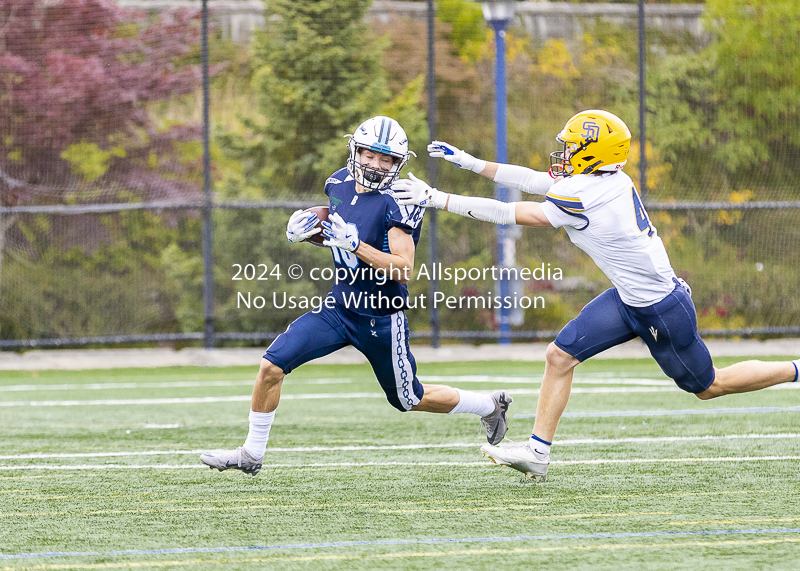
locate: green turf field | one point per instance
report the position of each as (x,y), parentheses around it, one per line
(100,470)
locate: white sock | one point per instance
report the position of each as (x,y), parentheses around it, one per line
(473,403)
(258,435)
(539,447)
(796,364)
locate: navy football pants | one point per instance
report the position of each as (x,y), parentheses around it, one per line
(669,328)
(382,339)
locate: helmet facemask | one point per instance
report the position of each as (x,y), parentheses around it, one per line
(372,178)
(559,161)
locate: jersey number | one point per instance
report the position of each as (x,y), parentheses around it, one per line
(642,221)
(340,256)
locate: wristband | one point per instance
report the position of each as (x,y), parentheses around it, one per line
(478,166)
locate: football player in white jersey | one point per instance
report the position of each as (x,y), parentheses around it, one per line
(588,194)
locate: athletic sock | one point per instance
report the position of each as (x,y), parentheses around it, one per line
(473,403)
(539,447)
(258,435)
(796,364)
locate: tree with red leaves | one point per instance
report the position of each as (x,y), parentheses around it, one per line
(76,79)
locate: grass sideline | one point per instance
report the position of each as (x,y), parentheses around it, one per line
(361,486)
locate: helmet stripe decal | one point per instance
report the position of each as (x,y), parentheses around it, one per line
(384,136)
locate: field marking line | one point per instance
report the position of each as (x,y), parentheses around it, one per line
(488,379)
(492,379)
(340,505)
(536,501)
(444,510)
(224,501)
(587,516)
(82,496)
(682,494)
(679,412)
(130,511)
(362,395)
(771,519)
(673,439)
(326,465)
(539,502)
(673,460)
(278,548)
(297,449)
(513,507)
(158,385)
(252,507)
(241,398)
(121,386)
(609,382)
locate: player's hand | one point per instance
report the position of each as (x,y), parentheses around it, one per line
(442,150)
(340,234)
(413,191)
(301,226)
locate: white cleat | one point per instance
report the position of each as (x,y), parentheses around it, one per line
(520,457)
(237,459)
(496,423)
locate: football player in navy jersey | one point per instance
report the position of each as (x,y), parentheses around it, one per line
(373,240)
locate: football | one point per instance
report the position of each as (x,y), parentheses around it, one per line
(322,214)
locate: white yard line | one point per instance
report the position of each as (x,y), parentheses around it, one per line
(536,379)
(101,467)
(163,385)
(185,400)
(614,384)
(299,449)
(236,383)
(669,388)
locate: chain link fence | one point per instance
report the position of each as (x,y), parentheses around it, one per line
(104,162)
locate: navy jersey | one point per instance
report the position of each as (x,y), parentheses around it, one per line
(374,214)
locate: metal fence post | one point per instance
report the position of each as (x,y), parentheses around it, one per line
(642,107)
(433,231)
(208,240)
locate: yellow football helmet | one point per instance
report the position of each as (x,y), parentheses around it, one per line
(593,141)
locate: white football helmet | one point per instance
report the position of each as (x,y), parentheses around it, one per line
(382,135)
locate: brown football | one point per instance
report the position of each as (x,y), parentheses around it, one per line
(322,214)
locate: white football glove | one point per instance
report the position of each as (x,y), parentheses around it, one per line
(442,150)
(340,234)
(301,226)
(413,191)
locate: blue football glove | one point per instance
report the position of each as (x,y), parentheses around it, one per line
(340,234)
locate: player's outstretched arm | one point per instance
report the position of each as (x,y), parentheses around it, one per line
(415,191)
(513,176)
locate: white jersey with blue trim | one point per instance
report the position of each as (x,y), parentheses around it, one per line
(604,217)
